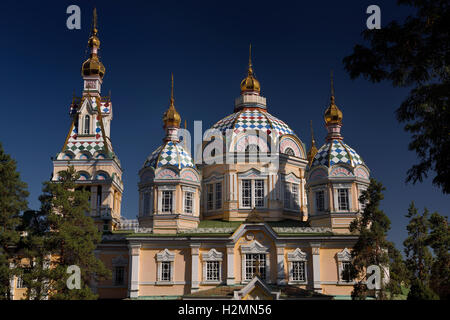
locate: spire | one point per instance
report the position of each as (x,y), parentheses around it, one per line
(92,66)
(250,84)
(171,117)
(333,115)
(313,150)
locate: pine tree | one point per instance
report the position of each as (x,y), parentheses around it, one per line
(418,256)
(398,273)
(13,196)
(439,241)
(371,247)
(74,234)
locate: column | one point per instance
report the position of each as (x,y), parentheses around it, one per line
(315,248)
(230,264)
(195,279)
(133,270)
(281,277)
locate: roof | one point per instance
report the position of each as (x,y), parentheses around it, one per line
(336,152)
(287,292)
(170,153)
(253,119)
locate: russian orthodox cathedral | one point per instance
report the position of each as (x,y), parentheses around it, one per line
(235,225)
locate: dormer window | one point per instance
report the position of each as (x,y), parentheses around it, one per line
(87,124)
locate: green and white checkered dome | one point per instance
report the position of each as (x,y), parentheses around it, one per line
(336,152)
(170,153)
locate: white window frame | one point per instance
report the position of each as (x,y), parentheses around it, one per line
(160,194)
(336,188)
(167,257)
(361,206)
(297,256)
(192,191)
(252,192)
(212,256)
(86,117)
(212,186)
(294,201)
(343,256)
(254,248)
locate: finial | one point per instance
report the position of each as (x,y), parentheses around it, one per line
(332,86)
(312,133)
(94,22)
(172,100)
(185,124)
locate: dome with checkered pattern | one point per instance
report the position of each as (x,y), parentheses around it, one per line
(336,152)
(170,153)
(253,119)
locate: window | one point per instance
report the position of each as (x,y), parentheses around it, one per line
(210,197)
(99,197)
(188,202)
(343,199)
(255,263)
(345,276)
(320,200)
(19,283)
(167,201)
(87,124)
(146,203)
(218,195)
(166,260)
(289,152)
(298,271)
(214,196)
(246,193)
(166,271)
(253,193)
(212,270)
(119,276)
(291,196)
(212,266)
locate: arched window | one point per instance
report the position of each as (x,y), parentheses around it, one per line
(87,124)
(289,152)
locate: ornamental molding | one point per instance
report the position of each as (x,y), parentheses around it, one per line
(254,247)
(301,230)
(165,255)
(290,178)
(344,255)
(297,255)
(212,255)
(208,230)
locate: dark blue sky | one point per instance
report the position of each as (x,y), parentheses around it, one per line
(205,45)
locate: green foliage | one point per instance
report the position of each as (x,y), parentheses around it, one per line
(420,291)
(415,53)
(370,249)
(73,236)
(439,241)
(13,196)
(398,273)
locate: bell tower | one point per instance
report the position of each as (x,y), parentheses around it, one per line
(88,144)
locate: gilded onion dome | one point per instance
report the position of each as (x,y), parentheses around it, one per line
(93,66)
(250,83)
(333,115)
(171,117)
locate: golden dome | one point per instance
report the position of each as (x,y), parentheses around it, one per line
(250,83)
(333,115)
(93,66)
(171,117)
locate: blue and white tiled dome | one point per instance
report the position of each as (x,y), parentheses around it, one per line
(170,153)
(336,152)
(253,119)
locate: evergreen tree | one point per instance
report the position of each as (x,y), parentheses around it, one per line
(439,241)
(35,247)
(398,273)
(73,234)
(415,53)
(418,255)
(371,247)
(13,196)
